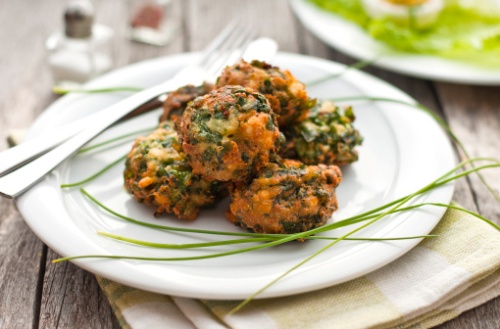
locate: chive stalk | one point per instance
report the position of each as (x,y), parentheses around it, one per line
(115,139)
(63,91)
(97,174)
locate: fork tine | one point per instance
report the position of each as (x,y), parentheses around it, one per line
(220,39)
(245,41)
(16,182)
(231,55)
(225,44)
(231,51)
(236,54)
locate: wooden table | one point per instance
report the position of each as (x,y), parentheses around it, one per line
(33,292)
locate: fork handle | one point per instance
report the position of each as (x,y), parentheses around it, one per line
(23,153)
(16,182)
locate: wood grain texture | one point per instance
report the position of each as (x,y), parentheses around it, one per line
(474,114)
(21,254)
(33,292)
(23,95)
(72,299)
(206,18)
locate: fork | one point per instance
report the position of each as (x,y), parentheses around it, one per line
(17,156)
(262,49)
(226,47)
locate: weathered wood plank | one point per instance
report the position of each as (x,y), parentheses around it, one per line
(474,115)
(21,254)
(206,18)
(72,299)
(25,91)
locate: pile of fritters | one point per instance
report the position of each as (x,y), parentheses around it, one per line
(255,135)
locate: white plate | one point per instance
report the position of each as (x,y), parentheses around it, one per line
(352,40)
(403,149)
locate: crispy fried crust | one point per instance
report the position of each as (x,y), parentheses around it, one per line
(327,136)
(176,102)
(286,198)
(228,140)
(157,174)
(228,133)
(287,96)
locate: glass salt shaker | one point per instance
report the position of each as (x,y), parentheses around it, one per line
(83,50)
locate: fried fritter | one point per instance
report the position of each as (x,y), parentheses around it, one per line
(287,96)
(229,133)
(286,198)
(326,136)
(176,102)
(157,174)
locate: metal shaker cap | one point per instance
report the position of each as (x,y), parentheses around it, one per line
(78,19)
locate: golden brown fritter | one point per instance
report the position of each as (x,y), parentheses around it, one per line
(176,102)
(286,198)
(157,174)
(326,136)
(228,133)
(287,96)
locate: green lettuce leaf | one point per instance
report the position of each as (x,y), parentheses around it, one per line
(459,33)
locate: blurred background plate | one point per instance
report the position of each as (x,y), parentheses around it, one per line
(350,39)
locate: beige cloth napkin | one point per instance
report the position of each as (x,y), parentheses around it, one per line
(433,283)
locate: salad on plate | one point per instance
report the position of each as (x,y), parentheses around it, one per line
(462,30)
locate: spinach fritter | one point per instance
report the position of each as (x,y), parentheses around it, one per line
(326,136)
(176,102)
(157,174)
(286,198)
(228,133)
(287,96)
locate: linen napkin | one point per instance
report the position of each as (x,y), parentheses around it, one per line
(433,283)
